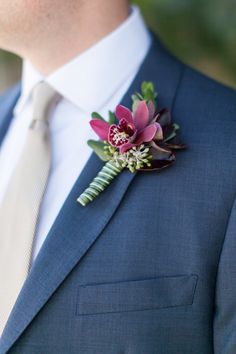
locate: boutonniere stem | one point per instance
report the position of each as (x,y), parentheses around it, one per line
(100,183)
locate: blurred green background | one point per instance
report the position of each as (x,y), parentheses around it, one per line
(200,32)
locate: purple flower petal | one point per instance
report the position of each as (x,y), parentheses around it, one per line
(168,131)
(159,132)
(160,147)
(141,115)
(100,127)
(159,164)
(151,109)
(125,147)
(124,113)
(160,153)
(176,146)
(146,135)
(164,117)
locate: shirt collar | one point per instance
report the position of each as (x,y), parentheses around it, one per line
(91,79)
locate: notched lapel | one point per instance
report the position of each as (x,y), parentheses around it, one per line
(77,228)
(74,231)
(7,104)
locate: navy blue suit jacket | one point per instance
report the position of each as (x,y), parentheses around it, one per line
(150,266)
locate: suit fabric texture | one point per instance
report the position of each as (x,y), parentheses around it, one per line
(150,266)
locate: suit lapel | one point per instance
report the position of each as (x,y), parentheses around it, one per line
(7,104)
(76,228)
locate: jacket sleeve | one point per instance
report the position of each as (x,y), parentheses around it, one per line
(225,296)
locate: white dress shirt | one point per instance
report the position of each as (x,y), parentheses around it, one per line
(94,81)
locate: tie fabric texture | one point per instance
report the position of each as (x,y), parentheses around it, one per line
(20,207)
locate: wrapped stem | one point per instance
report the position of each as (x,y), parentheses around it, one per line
(100,183)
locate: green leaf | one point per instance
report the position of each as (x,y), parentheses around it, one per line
(147,86)
(98,148)
(134,105)
(112,118)
(139,96)
(173,134)
(136,98)
(96,115)
(170,137)
(176,126)
(148,91)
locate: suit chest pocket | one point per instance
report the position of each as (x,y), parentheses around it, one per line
(138,295)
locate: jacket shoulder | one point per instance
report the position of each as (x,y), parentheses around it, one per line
(203,104)
(200,90)
(10,93)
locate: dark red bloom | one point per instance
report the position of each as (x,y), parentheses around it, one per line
(132,130)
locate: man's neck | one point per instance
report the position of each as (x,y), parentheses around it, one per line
(93,21)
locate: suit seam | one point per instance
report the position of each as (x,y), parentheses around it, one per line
(181,76)
(224,239)
(134,310)
(218,266)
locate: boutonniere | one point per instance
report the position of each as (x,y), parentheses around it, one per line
(141,139)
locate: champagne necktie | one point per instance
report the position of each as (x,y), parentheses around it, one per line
(20,207)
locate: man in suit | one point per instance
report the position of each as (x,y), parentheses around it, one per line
(148,267)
